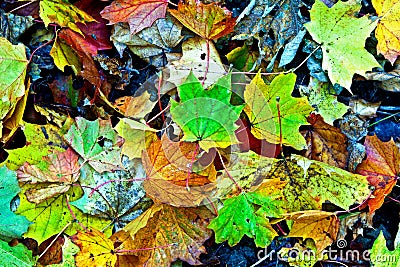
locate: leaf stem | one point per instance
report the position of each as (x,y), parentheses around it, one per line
(191,165)
(73,214)
(54,240)
(227,173)
(352,209)
(159,94)
(22,6)
(207,62)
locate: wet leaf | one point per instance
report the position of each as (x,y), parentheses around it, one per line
(63,13)
(140,14)
(199,113)
(209,21)
(381,167)
(342,37)
(387,30)
(266,121)
(95,141)
(11,225)
(325,143)
(169,231)
(321,226)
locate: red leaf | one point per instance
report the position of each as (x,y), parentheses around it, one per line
(139,14)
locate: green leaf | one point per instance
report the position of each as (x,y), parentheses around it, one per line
(206,115)
(323,99)
(381,256)
(85,137)
(62,13)
(342,37)
(13,62)
(63,55)
(41,140)
(242,58)
(11,225)
(52,215)
(18,256)
(262,110)
(246,214)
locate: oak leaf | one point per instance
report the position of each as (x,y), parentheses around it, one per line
(209,21)
(321,226)
(325,143)
(138,13)
(381,167)
(388,30)
(342,37)
(172,233)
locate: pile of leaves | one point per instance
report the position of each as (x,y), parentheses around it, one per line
(134,131)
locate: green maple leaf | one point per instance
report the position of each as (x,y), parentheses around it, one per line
(342,37)
(85,138)
(247,214)
(262,110)
(11,225)
(381,256)
(18,255)
(206,115)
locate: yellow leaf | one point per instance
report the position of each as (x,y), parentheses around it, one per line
(388,30)
(63,55)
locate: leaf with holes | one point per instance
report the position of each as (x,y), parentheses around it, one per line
(209,21)
(206,116)
(342,37)
(267,121)
(95,142)
(381,167)
(169,232)
(140,14)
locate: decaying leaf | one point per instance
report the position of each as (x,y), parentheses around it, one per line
(387,30)
(209,21)
(342,37)
(168,232)
(95,141)
(138,13)
(63,13)
(206,116)
(321,226)
(381,167)
(266,120)
(325,142)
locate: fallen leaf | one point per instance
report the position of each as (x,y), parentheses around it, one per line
(255,209)
(387,30)
(13,26)
(52,250)
(95,249)
(167,233)
(136,107)
(321,226)
(364,109)
(18,255)
(140,14)
(266,120)
(62,13)
(323,99)
(13,62)
(379,251)
(342,37)
(325,143)
(85,137)
(63,55)
(69,250)
(199,113)
(242,58)
(11,225)
(209,21)
(61,169)
(381,167)
(154,44)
